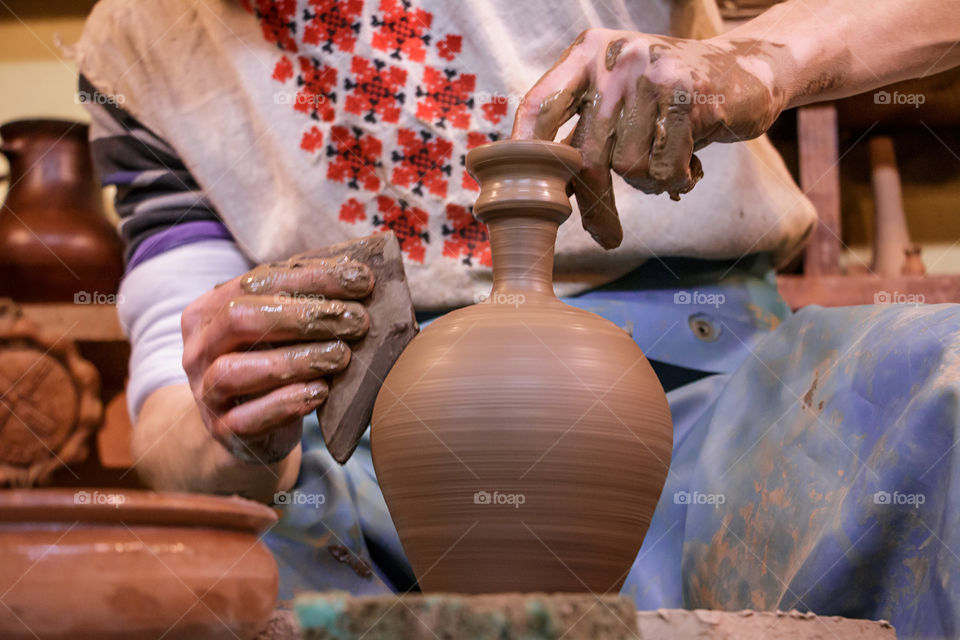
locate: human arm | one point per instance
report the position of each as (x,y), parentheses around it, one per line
(647,103)
(178,253)
(255,351)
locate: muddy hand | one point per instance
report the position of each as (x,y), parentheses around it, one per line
(646,103)
(257,348)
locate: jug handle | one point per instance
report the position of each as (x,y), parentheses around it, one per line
(6,149)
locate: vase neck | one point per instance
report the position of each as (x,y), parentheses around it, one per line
(523,200)
(522,249)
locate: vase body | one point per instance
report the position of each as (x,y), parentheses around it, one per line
(521,443)
(55,241)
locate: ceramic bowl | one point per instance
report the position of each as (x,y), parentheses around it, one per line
(100,563)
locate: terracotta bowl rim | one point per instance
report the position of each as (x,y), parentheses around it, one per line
(125,507)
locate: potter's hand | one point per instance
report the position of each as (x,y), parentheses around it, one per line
(256,349)
(646,103)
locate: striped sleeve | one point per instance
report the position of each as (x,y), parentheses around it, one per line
(160,205)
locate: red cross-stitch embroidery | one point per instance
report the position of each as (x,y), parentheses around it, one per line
(449,47)
(466,237)
(283,70)
(277,22)
(333,22)
(423,162)
(408,223)
(316,95)
(474,139)
(312,140)
(352,211)
(495,110)
(375,89)
(402,30)
(446,96)
(354,158)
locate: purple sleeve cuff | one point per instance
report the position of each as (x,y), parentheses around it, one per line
(177,236)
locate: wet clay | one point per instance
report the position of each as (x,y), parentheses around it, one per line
(345,416)
(613,50)
(511,433)
(339,277)
(346,556)
(646,104)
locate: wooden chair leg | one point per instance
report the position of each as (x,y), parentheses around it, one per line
(817,137)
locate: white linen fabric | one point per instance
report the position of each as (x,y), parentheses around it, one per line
(308,122)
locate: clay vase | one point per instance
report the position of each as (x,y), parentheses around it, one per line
(522,444)
(55,242)
(88,564)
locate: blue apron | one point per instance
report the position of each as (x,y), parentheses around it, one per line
(812,463)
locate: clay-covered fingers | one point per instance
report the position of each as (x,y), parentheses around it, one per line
(557,95)
(233,377)
(338,278)
(280,407)
(266,429)
(672,163)
(250,320)
(634,135)
(595,136)
(316,279)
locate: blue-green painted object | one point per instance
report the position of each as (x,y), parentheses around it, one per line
(322,612)
(814,462)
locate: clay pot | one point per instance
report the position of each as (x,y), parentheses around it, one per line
(55,242)
(522,444)
(104,564)
(51,400)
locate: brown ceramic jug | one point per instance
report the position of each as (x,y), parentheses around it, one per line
(521,443)
(55,243)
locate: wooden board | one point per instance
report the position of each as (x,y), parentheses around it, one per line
(78,322)
(839,290)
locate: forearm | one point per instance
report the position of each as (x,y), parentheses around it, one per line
(175,452)
(838,48)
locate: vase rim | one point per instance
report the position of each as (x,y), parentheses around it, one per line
(527,150)
(54,126)
(529,177)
